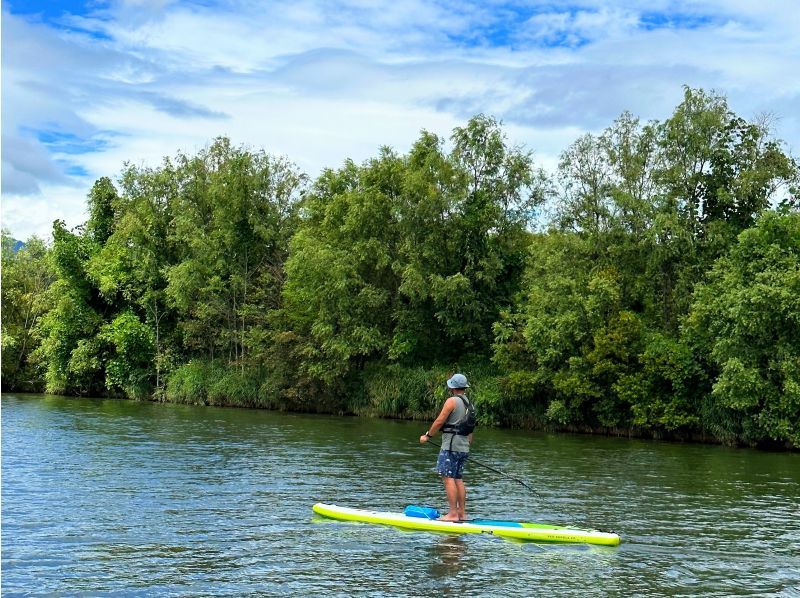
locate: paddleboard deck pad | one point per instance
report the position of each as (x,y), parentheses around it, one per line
(538,532)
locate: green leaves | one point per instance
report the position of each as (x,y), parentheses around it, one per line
(129,366)
(233,214)
(70,327)
(747,319)
(27,274)
(717,166)
(409,257)
(340,276)
(663,295)
(643,213)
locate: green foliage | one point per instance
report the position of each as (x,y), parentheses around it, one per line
(398,391)
(409,258)
(27,274)
(101,202)
(663,391)
(487,392)
(393,390)
(718,167)
(70,328)
(236,388)
(190,382)
(232,216)
(662,296)
(70,350)
(130,360)
(643,213)
(201,382)
(746,318)
(85,366)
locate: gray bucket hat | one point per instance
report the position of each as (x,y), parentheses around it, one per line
(458,381)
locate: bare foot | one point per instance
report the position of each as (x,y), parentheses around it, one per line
(449,517)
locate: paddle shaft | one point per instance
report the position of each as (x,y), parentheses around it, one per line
(511,477)
(494,469)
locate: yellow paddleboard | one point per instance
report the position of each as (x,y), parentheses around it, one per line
(539,532)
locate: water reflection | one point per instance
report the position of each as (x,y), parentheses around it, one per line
(447,557)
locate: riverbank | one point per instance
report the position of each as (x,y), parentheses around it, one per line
(405,393)
(229,277)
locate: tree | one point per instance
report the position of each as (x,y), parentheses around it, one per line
(502,189)
(232,217)
(131,266)
(643,212)
(73,348)
(746,319)
(340,281)
(129,364)
(69,348)
(719,168)
(410,258)
(101,202)
(573,334)
(27,274)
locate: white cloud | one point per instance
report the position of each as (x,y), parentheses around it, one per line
(322,81)
(26,215)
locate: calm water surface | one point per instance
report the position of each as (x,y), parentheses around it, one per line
(105,497)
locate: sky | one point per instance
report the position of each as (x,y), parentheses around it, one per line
(90,85)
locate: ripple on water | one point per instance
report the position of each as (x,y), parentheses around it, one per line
(118,497)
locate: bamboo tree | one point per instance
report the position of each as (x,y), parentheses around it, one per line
(27,275)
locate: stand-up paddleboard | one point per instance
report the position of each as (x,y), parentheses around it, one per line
(539,532)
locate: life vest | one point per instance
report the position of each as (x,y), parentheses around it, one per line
(466,424)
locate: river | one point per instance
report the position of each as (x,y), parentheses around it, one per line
(105,497)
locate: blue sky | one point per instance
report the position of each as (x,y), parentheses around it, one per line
(87,86)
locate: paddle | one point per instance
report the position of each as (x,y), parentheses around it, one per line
(494,469)
(511,477)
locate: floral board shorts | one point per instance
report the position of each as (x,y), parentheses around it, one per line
(451,464)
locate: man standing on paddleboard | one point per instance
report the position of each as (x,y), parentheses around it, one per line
(456,421)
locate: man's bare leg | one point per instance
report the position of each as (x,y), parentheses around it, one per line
(461,500)
(451,490)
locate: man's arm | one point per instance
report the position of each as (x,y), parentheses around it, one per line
(447,409)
